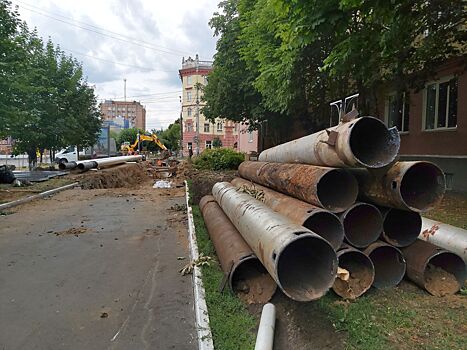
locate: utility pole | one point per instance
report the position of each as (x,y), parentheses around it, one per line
(124,99)
(197,120)
(181,125)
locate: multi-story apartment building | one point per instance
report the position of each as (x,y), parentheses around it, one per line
(198,132)
(132,113)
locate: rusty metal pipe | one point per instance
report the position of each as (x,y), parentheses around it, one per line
(363,224)
(302,263)
(389,264)
(400,227)
(240,265)
(451,238)
(318,220)
(329,188)
(361,273)
(362,142)
(438,271)
(417,186)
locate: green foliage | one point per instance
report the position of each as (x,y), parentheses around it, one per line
(219,159)
(44,97)
(278,58)
(128,135)
(216,143)
(170,137)
(231,325)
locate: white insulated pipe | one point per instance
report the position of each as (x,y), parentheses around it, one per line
(303,264)
(451,238)
(103,162)
(265,337)
(361,142)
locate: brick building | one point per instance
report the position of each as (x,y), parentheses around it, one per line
(132,113)
(198,132)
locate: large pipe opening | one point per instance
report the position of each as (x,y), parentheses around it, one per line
(337,190)
(422,186)
(363,224)
(328,226)
(401,227)
(373,144)
(361,274)
(306,268)
(87,165)
(389,266)
(251,282)
(444,274)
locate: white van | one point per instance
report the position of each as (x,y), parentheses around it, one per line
(69,154)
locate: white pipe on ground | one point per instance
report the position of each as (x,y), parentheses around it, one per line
(103,162)
(451,238)
(265,337)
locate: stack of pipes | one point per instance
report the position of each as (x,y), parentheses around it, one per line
(336,209)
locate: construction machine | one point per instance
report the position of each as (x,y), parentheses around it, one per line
(126,148)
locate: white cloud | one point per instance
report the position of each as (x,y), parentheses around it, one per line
(169,30)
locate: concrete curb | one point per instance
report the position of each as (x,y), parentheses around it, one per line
(36,196)
(201,309)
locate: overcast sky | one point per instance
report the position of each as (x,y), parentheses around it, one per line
(148,39)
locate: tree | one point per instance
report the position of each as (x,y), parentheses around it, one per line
(171,136)
(128,135)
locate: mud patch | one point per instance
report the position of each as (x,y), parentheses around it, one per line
(255,289)
(439,282)
(125,175)
(75,231)
(358,281)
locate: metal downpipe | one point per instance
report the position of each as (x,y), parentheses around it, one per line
(302,263)
(445,236)
(245,274)
(361,273)
(400,227)
(362,142)
(436,270)
(389,264)
(329,188)
(363,224)
(417,186)
(318,220)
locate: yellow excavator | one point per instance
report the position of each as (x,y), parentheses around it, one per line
(126,148)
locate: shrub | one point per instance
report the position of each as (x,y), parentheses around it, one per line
(219,159)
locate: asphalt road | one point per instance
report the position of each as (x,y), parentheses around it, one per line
(96,269)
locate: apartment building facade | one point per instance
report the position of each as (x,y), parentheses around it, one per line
(198,132)
(123,114)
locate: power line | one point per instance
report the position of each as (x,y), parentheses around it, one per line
(157,93)
(101,28)
(100,33)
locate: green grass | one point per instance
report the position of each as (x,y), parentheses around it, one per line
(451,210)
(399,318)
(231,324)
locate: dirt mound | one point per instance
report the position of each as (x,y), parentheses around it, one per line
(358,281)
(125,175)
(76,231)
(439,282)
(203,180)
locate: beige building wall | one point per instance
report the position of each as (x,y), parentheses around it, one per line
(131,110)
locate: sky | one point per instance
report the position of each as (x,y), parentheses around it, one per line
(142,41)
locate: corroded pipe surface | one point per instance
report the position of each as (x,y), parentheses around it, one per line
(417,186)
(330,188)
(363,224)
(361,273)
(318,220)
(400,227)
(451,238)
(362,142)
(389,264)
(438,271)
(246,275)
(302,263)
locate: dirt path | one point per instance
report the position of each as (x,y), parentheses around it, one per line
(96,269)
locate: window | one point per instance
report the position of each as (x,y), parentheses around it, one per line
(189,127)
(250,136)
(219,126)
(190,145)
(188,96)
(206,127)
(189,80)
(189,111)
(397,111)
(440,104)
(208,144)
(205,78)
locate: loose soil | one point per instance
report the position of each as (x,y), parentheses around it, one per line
(359,281)
(256,289)
(125,175)
(76,231)
(203,180)
(439,282)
